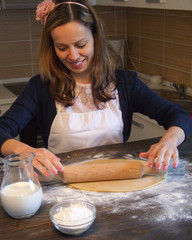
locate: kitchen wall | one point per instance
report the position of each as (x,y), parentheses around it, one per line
(158,41)
(19,37)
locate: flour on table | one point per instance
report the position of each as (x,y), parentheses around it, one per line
(170,200)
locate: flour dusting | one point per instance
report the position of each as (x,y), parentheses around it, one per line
(171,199)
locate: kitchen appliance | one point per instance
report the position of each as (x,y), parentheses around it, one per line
(118,46)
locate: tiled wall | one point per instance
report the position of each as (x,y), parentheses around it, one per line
(159,41)
(19,38)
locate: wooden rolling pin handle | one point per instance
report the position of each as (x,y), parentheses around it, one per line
(102,172)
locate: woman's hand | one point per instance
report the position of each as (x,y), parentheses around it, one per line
(46,162)
(162,152)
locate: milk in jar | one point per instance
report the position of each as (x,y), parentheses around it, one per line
(21,192)
(21,199)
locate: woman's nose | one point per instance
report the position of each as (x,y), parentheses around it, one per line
(73,53)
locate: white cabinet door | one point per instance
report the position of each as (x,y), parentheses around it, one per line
(168,4)
(141,129)
(185,4)
(144,128)
(93,2)
(157,131)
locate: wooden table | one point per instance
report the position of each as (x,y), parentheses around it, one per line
(162,212)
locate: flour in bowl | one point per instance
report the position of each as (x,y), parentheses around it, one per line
(73,214)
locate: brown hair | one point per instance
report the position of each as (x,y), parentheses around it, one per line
(53,71)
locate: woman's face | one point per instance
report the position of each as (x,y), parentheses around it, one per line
(74,46)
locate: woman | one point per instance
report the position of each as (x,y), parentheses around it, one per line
(80,100)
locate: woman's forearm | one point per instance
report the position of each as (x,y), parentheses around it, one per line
(44,160)
(12,146)
(176,134)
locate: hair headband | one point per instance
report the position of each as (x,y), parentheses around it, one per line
(44,8)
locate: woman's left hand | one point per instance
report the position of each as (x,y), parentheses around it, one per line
(162,152)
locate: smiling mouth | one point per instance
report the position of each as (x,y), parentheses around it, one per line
(77,64)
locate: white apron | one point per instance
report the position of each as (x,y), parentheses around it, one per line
(73,130)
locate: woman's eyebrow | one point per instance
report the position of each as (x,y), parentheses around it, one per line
(64,45)
(61,44)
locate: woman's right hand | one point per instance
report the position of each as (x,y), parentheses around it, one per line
(45,162)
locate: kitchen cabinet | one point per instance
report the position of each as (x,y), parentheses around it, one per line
(93,2)
(169,4)
(144,128)
(25,4)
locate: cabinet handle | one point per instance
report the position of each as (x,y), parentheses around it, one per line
(137,124)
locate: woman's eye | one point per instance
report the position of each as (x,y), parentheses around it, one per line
(82,45)
(62,49)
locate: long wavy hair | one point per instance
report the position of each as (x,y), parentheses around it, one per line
(58,78)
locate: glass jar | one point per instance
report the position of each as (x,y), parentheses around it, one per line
(21,192)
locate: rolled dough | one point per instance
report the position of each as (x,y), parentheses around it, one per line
(128,185)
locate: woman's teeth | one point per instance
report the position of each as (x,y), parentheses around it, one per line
(76,64)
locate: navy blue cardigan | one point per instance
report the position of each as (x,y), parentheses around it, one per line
(36,102)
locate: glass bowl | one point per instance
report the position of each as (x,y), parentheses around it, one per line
(73,217)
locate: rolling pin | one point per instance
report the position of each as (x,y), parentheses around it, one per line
(106,171)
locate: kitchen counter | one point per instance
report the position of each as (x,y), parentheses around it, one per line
(161,212)
(6,96)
